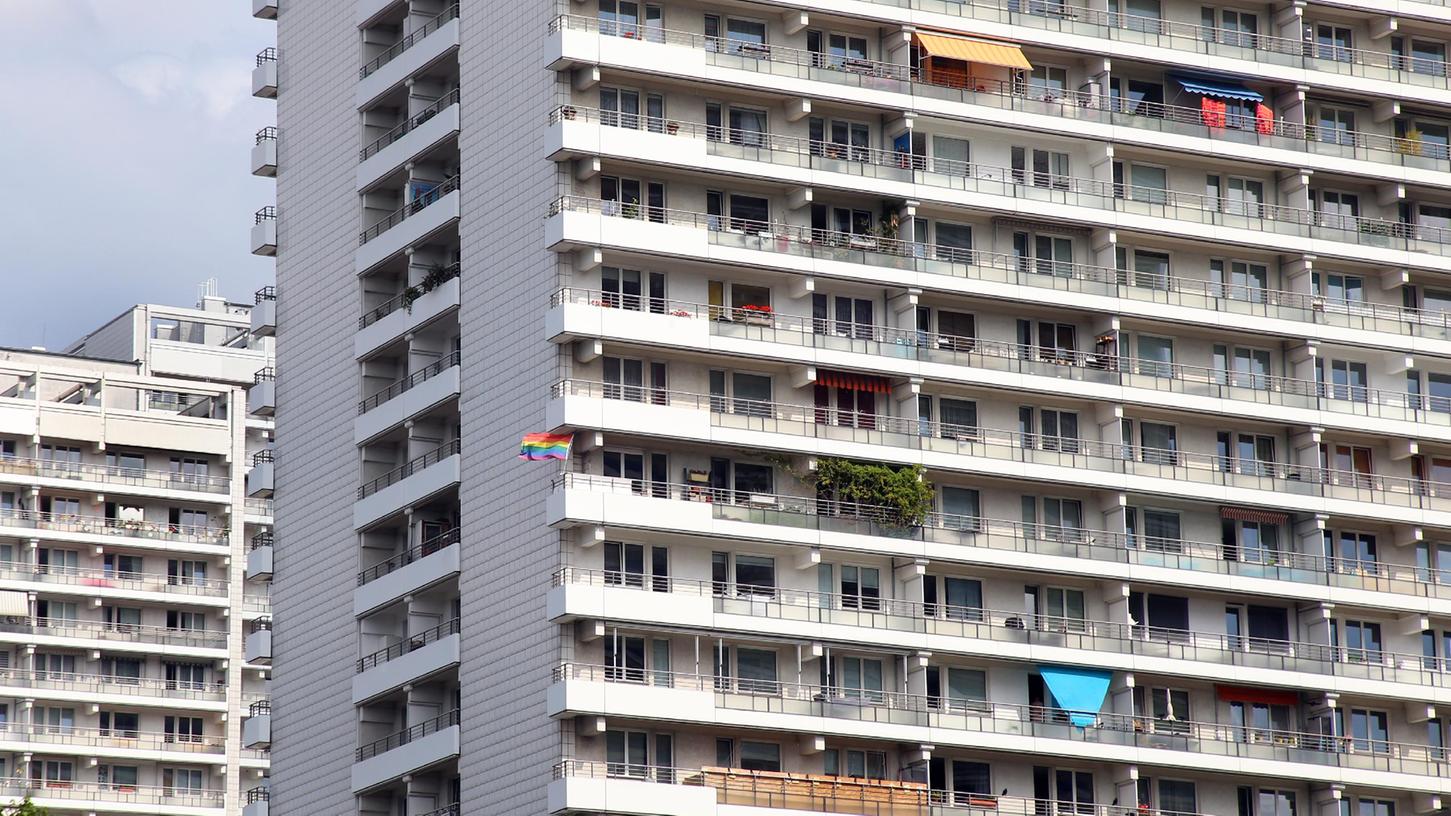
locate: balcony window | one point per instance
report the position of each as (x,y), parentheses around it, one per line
(50,561)
(61,457)
(1350,552)
(755,575)
(854,764)
(1239,280)
(859,678)
(756,670)
(1245,453)
(1334,209)
(625,658)
(1363,643)
(1137,97)
(53,720)
(54,666)
(961,508)
(861,588)
(626,565)
(121,724)
(1259,722)
(182,572)
(737,36)
(185,676)
(1048,168)
(1369,731)
(624,289)
(623,197)
(1156,355)
(122,618)
(52,773)
(181,781)
(120,778)
(627,753)
(1167,710)
(1333,42)
(1043,253)
(1336,125)
(963,598)
(1242,367)
(739,392)
(748,214)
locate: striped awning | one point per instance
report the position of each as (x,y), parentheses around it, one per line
(981,52)
(14,604)
(853,382)
(1243,694)
(1257,516)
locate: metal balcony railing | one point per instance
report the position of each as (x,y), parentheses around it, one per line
(409,125)
(113,578)
(266,134)
(1087,636)
(1067,104)
(1060,364)
(449,14)
(401,301)
(268,455)
(423,550)
(267,213)
(938,259)
(1085,454)
(1029,184)
(259,507)
(115,684)
(113,474)
(99,525)
(402,472)
(265,375)
(828,514)
(263,624)
(261,793)
(407,383)
(259,708)
(410,644)
(418,204)
(265,293)
(406,736)
(266,55)
(134,632)
(261,540)
(1041,722)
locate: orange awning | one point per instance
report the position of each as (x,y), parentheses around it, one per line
(978,51)
(853,382)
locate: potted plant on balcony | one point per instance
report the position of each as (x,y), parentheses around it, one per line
(433,279)
(672,128)
(568,112)
(901,495)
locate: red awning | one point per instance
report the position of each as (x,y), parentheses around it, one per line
(1243,694)
(1258,516)
(853,382)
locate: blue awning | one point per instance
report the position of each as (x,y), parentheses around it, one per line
(1213,86)
(1079,691)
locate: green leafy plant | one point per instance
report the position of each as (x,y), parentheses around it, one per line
(432,280)
(901,491)
(24,807)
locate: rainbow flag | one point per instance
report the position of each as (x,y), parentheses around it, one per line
(538,446)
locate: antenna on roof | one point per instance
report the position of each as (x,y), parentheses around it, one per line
(205,289)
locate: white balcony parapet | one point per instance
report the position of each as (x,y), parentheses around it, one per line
(264,312)
(413,136)
(1182,742)
(407,484)
(418,305)
(259,801)
(71,795)
(1085,641)
(258,646)
(257,727)
(1092,201)
(408,397)
(1098,547)
(264,231)
(93,578)
(262,396)
(72,523)
(1134,379)
(264,75)
(1075,460)
(261,479)
(422,566)
(182,692)
(420,655)
(446,16)
(259,557)
(428,743)
(1066,106)
(112,477)
(426,213)
(264,152)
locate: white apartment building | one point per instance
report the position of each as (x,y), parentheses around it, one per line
(1153,295)
(130,680)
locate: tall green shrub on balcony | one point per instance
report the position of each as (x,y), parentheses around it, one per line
(901,491)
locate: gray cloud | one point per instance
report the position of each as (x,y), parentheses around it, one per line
(127,159)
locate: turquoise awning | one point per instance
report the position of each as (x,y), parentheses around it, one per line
(1211,86)
(1079,691)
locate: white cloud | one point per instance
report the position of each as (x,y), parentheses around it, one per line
(156,77)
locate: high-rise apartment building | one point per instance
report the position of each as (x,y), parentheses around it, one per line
(998,406)
(134,478)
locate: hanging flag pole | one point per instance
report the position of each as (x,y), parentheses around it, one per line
(539,446)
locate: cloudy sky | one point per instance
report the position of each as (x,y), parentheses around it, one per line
(126,144)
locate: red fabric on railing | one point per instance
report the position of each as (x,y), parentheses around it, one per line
(854,382)
(1258,516)
(1242,694)
(1264,119)
(1212,111)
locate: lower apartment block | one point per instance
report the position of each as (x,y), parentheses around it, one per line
(124,528)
